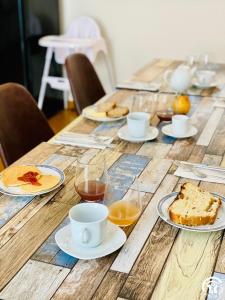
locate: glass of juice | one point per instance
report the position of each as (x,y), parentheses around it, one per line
(123,202)
(91,180)
(164,107)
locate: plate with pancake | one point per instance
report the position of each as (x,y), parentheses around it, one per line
(30,180)
(193,209)
(105,112)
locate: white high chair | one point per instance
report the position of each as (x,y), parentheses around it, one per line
(83,36)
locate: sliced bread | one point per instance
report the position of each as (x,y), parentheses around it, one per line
(194,207)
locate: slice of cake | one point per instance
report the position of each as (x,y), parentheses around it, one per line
(194,206)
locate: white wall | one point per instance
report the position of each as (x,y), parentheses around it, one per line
(139,30)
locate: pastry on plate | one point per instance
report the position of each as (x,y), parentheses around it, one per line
(45,182)
(106,106)
(118,111)
(14,175)
(194,206)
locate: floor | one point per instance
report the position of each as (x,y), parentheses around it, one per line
(58,121)
(61,119)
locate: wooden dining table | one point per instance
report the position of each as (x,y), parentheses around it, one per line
(158,261)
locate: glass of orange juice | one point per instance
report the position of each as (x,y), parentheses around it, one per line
(123,202)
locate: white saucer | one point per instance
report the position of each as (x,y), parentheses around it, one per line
(167,200)
(167,130)
(114,239)
(203,86)
(123,134)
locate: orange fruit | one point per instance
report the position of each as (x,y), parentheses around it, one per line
(181,104)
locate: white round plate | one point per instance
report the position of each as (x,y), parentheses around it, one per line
(200,86)
(166,201)
(86,115)
(123,134)
(114,239)
(46,170)
(167,130)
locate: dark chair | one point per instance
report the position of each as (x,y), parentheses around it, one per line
(22,124)
(85,84)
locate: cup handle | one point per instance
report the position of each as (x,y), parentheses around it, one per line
(166,75)
(85,236)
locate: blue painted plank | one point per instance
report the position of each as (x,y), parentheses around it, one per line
(9,206)
(162,138)
(195,100)
(124,171)
(105,127)
(49,251)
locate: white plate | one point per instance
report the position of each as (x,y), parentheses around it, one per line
(166,201)
(123,134)
(86,115)
(167,130)
(46,170)
(114,239)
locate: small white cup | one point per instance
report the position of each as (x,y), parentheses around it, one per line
(180,125)
(205,77)
(88,224)
(138,123)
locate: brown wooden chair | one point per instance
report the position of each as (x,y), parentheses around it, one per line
(84,82)
(22,124)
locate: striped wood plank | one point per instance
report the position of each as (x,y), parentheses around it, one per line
(22,217)
(149,264)
(84,126)
(210,127)
(217,144)
(84,278)
(39,154)
(35,281)
(127,167)
(152,71)
(126,147)
(50,253)
(23,244)
(110,286)
(72,151)
(154,150)
(153,174)
(189,264)
(109,128)
(131,249)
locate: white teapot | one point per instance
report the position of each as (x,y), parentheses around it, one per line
(179,79)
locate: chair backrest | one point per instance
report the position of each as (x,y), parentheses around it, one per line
(84,82)
(81,28)
(84,28)
(23,126)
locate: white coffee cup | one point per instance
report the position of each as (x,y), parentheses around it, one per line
(88,224)
(205,77)
(138,123)
(180,125)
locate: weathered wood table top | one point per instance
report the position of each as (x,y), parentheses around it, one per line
(157,261)
(154,72)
